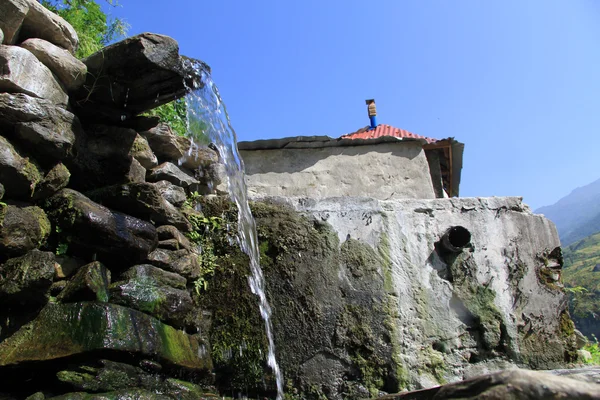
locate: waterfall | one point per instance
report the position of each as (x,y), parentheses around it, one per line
(207,118)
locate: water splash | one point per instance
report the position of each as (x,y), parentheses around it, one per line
(207,118)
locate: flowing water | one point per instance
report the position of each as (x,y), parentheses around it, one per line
(207,118)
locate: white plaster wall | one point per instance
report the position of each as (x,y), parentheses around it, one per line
(383,171)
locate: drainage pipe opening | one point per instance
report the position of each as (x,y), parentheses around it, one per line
(456,238)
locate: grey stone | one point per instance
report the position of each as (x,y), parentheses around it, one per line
(1,36)
(1,191)
(170,172)
(22,229)
(182,262)
(48,131)
(515,384)
(22,72)
(147,294)
(70,71)
(172,193)
(18,175)
(159,275)
(12,14)
(122,394)
(136,173)
(90,283)
(94,229)
(142,152)
(168,232)
(176,149)
(44,24)
(586,374)
(133,76)
(26,279)
(141,200)
(57,178)
(103,158)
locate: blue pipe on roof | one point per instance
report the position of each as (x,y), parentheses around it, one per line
(373,119)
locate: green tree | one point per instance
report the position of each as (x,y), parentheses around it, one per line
(94,28)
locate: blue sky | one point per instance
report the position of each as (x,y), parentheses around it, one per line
(516,81)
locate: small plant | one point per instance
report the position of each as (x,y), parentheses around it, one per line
(62,248)
(594,350)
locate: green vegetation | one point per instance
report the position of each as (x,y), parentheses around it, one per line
(581,281)
(594,349)
(94,28)
(174,114)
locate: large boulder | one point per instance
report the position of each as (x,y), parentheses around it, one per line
(70,71)
(133,76)
(44,24)
(26,279)
(12,14)
(22,72)
(48,131)
(18,175)
(63,330)
(94,229)
(516,384)
(141,200)
(22,229)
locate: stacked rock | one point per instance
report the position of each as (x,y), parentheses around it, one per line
(95,269)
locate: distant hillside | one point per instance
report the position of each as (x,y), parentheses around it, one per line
(577,215)
(582,270)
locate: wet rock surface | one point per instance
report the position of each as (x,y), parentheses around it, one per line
(62,330)
(48,131)
(94,228)
(141,200)
(90,283)
(26,279)
(170,147)
(132,76)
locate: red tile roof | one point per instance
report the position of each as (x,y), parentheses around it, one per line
(384,130)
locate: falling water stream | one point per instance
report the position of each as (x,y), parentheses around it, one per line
(207,118)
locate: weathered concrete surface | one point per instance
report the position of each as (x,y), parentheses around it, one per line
(384,171)
(448,317)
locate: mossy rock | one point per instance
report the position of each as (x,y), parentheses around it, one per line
(22,229)
(62,330)
(27,279)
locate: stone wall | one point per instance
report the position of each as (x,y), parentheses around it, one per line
(96,273)
(388,170)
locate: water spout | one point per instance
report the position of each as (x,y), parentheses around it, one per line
(205,109)
(455,239)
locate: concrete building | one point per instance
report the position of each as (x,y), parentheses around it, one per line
(381,162)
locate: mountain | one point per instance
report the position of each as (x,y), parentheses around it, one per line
(581,275)
(577,215)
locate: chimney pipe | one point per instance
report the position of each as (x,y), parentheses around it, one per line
(372,112)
